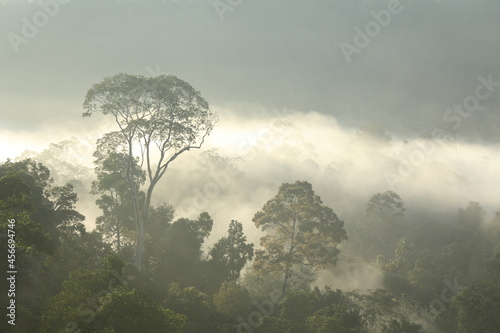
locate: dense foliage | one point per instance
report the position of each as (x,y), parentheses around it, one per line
(439,276)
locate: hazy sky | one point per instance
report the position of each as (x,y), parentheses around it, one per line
(277,54)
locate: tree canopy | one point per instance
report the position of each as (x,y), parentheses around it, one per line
(301,231)
(158,119)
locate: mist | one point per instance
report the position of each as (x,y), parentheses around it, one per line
(354,97)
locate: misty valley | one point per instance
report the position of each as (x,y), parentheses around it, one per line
(384,265)
(233,166)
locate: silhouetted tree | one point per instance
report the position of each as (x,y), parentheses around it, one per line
(300,231)
(159,119)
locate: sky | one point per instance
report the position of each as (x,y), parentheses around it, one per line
(292,82)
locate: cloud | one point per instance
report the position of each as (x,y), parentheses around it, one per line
(278,54)
(245,161)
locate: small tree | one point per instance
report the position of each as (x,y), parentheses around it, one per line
(116,197)
(301,231)
(386,206)
(158,119)
(384,209)
(229,255)
(179,256)
(232,300)
(470,219)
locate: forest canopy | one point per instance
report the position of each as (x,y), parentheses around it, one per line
(145,268)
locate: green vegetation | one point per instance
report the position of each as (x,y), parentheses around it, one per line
(438,276)
(80,281)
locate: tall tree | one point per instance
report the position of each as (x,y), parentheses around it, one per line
(159,119)
(301,231)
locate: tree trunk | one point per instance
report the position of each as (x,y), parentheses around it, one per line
(139,247)
(292,247)
(139,241)
(285,284)
(118,234)
(138,215)
(139,221)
